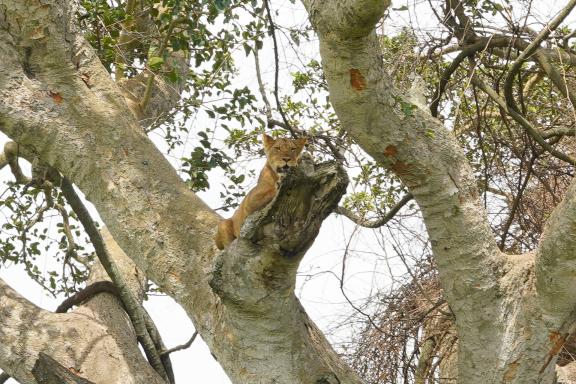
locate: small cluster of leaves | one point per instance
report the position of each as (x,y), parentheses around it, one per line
(102,23)
(483,7)
(376,191)
(35,238)
(203,159)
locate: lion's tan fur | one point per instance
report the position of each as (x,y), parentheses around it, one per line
(281,154)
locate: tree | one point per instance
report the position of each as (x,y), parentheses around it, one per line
(511,301)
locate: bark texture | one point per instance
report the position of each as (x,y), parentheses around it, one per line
(49,371)
(513,312)
(511,318)
(254,325)
(94,341)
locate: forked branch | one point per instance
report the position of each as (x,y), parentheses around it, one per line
(282,231)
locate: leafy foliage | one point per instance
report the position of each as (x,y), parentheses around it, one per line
(226,104)
(38,228)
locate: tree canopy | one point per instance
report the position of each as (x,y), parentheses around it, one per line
(452,122)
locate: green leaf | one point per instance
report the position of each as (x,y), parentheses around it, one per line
(247,48)
(173,76)
(221,4)
(155,62)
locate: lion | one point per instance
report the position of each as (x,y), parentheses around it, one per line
(281,155)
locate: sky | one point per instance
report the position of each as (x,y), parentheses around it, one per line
(368,268)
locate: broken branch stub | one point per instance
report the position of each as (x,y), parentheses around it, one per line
(262,262)
(49,371)
(291,222)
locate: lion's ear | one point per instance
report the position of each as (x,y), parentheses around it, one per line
(267,141)
(301,142)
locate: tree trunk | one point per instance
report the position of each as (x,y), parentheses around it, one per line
(95,341)
(513,312)
(251,320)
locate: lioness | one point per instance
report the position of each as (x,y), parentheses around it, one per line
(281,155)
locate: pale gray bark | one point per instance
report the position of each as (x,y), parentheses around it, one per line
(254,325)
(508,331)
(567,374)
(242,301)
(49,371)
(556,262)
(95,340)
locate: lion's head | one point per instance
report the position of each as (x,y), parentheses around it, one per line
(282,153)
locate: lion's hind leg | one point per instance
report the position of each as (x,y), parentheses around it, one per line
(225,234)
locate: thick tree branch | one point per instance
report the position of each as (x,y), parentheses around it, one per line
(417,148)
(143,324)
(556,257)
(90,136)
(463,28)
(86,294)
(560,131)
(26,331)
(4,377)
(431,164)
(345,18)
(556,55)
(255,275)
(132,305)
(182,346)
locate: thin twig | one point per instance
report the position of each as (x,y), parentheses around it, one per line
(71,248)
(342,275)
(417,281)
(516,202)
(272,32)
(261,85)
(138,315)
(181,346)
(379,222)
(532,47)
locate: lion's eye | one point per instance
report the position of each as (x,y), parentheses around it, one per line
(292,149)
